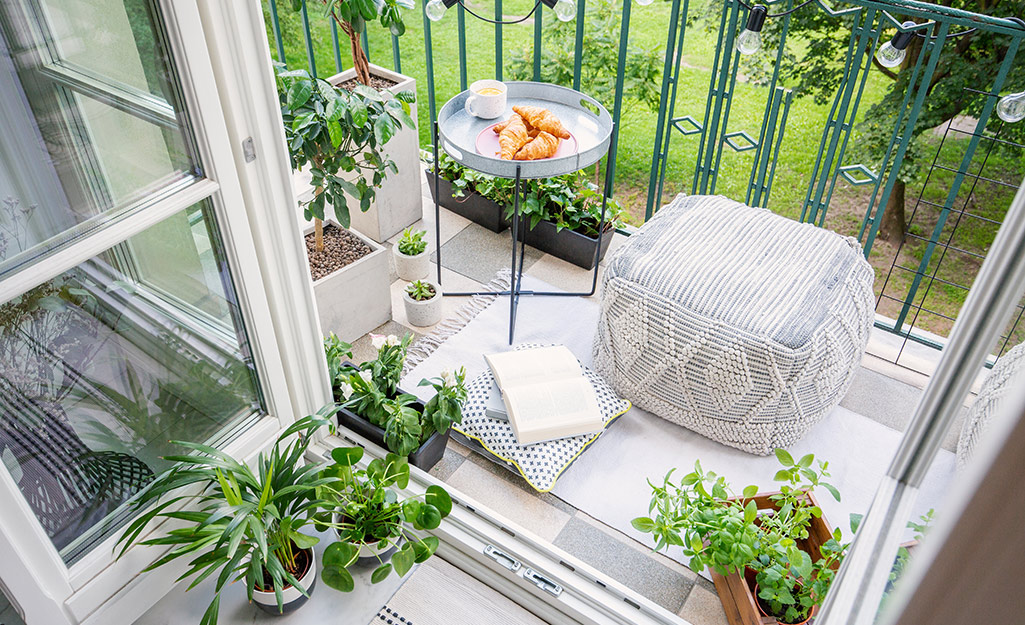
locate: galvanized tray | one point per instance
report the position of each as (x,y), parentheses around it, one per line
(586,119)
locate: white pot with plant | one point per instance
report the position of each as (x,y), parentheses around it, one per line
(393,207)
(422,300)
(339,137)
(411,259)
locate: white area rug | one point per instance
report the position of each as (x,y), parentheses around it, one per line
(609,481)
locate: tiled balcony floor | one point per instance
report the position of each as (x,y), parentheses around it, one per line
(471,255)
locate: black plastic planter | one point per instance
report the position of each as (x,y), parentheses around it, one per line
(473,206)
(570,246)
(429,453)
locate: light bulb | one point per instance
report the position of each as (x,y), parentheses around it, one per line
(1011,108)
(435,10)
(892,53)
(890,56)
(565,10)
(750,39)
(644,3)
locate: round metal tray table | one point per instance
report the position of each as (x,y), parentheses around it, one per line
(591,127)
(586,119)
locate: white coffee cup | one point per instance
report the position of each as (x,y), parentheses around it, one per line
(487,99)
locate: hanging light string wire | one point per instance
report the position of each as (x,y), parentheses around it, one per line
(502,22)
(917,33)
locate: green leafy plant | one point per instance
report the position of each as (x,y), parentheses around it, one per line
(242,523)
(371,391)
(570,202)
(333,131)
(420,291)
(446,407)
(362,506)
(352,17)
(412,243)
(725,532)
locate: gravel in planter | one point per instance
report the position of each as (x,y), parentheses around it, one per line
(341,248)
(375,81)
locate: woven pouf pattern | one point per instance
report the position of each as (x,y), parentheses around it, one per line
(736,323)
(1008,373)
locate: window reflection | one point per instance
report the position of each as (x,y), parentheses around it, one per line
(103,366)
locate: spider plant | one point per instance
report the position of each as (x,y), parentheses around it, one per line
(240,523)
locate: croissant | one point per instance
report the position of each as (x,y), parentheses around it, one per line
(542,118)
(512,137)
(500,126)
(542,146)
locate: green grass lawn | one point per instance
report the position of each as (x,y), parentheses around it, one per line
(800,145)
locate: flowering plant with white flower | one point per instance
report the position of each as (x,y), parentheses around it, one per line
(446,407)
(391,356)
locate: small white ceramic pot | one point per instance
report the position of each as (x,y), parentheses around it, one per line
(411,267)
(291,597)
(423,313)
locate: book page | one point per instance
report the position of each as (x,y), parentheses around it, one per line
(553,404)
(532,366)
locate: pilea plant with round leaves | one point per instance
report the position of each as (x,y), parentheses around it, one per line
(726,533)
(364,507)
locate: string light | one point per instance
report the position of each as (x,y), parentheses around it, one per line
(892,53)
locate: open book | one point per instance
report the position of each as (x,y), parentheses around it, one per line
(546,394)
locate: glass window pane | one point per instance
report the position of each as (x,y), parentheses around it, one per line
(104,365)
(86,131)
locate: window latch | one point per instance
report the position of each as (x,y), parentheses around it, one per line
(502,558)
(542,582)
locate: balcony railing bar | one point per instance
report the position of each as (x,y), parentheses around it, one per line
(946,246)
(276,27)
(1010,332)
(309,41)
(967,214)
(937,279)
(990,180)
(336,47)
(919,307)
(461,22)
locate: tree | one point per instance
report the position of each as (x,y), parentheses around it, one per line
(331,131)
(970,61)
(352,16)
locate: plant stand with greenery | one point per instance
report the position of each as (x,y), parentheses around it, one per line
(736,591)
(593,128)
(395,206)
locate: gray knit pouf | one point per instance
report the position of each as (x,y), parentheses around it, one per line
(731,321)
(1007,374)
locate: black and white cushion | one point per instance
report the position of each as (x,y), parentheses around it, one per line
(540,464)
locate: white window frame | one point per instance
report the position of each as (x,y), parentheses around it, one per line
(98,587)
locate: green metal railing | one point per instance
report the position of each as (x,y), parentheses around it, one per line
(710,133)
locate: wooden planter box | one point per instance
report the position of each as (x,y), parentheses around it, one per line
(570,246)
(736,591)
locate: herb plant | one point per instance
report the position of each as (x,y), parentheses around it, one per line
(412,243)
(243,523)
(420,291)
(725,532)
(569,201)
(334,131)
(362,506)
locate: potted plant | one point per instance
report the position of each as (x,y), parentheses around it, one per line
(372,404)
(372,522)
(467,192)
(770,554)
(561,214)
(394,207)
(411,259)
(422,300)
(242,524)
(339,137)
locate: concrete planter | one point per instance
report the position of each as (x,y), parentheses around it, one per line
(425,313)
(357,298)
(411,267)
(399,201)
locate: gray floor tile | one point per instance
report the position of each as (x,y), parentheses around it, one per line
(508,476)
(703,606)
(363,349)
(625,564)
(479,253)
(448,464)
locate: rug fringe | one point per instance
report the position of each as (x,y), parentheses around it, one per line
(426,346)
